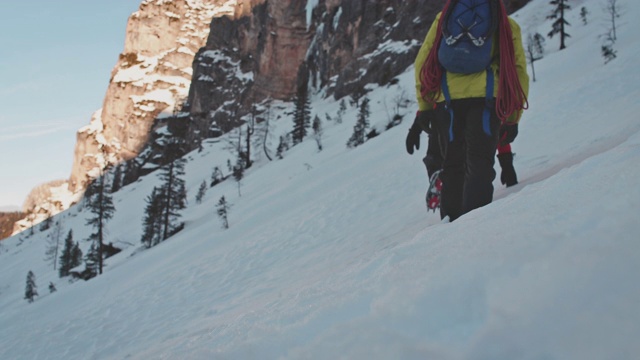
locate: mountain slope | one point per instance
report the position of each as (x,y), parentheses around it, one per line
(331,254)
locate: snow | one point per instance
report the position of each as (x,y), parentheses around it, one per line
(332,254)
(393,47)
(336,18)
(186,50)
(311,4)
(95,125)
(218,57)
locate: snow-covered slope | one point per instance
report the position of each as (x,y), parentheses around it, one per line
(332,254)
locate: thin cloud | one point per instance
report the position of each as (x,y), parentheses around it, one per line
(20,87)
(33,130)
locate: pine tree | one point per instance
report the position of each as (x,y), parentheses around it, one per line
(362,123)
(66,257)
(222,209)
(201,192)
(301,115)
(535,51)
(92,261)
(583,15)
(53,245)
(558,26)
(117,179)
(76,256)
(608,53)
(31,290)
(152,221)
(100,204)
(174,196)
(317,131)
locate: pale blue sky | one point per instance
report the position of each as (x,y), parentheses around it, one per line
(56,58)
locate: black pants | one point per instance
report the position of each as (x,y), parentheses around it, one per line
(433,160)
(468,174)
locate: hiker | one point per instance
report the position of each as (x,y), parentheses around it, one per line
(433,163)
(472,87)
(433,160)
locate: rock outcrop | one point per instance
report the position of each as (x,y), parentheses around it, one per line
(335,46)
(151,77)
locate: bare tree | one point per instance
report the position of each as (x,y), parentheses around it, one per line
(53,244)
(612,7)
(400,102)
(535,51)
(613,10)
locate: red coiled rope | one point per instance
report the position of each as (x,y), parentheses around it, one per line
(511,96)
(431,73)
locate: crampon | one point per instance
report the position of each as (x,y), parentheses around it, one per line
(433,193)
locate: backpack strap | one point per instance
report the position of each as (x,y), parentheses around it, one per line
(486,113)
(447,98)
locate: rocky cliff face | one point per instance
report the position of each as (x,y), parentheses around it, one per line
(151,76)
(336,46)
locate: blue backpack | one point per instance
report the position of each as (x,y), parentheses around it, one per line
(467,35)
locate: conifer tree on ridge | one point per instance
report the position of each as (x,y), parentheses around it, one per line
(31,289)
(561,22)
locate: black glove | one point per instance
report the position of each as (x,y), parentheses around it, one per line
(424,119)
(421,123)
(413,138)
(508,176)
(508,133)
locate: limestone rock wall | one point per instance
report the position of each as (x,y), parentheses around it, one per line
(152,75)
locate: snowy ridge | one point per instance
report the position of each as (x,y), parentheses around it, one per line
(331,254)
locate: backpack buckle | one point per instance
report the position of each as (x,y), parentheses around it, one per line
(477,41)
(450,40)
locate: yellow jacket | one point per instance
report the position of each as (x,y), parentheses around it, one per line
(463,86)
